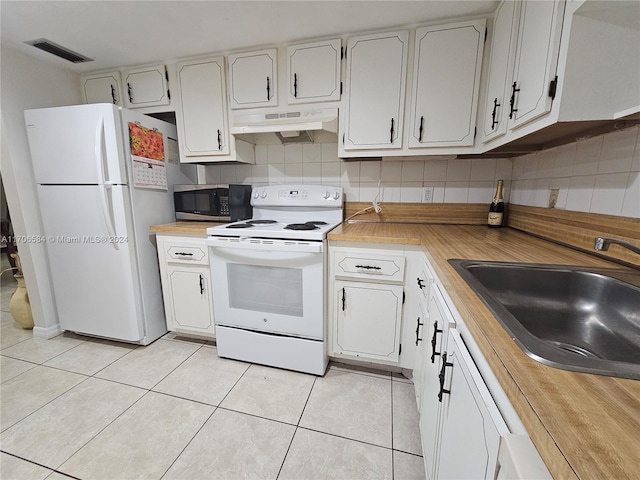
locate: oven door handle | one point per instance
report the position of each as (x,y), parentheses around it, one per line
(275,247)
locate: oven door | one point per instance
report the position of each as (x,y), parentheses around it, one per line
(274,286)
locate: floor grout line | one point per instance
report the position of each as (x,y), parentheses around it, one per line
(297,426)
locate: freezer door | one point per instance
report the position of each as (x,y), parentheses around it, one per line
(79,144)
(92,260)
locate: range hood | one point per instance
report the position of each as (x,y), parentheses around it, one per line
(296,126)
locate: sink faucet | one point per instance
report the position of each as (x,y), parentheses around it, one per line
(602,244)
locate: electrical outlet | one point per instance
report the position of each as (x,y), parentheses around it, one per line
(553,197)
(427,194)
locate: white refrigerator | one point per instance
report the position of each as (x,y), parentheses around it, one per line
(97,201)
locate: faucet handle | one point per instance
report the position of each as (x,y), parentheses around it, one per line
(600,244)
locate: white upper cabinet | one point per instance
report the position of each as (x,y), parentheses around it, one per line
(253,79)
(533,85)
(446,79)
(146,86)
(375,91)
(314,72)
(202,113)
(503,48)
(103,87)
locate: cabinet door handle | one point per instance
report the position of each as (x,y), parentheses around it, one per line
(445,364)
(512,100)
(392,129)
(421,129)
(113,94)
(129,91)
(418,339)
(201,284)
(219,140)
(295,85)
(420,283)
(344,299)
(268,89)
(433,342)
(369,267)
(494,122)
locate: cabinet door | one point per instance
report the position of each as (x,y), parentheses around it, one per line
(367,320)
(146,86)
(503,49)
(471,425)
(376,77)
(421,349)
(202,113)
(445,84)
(102,88)
(253,79)
(314,72)
(424,285)
(191,304)
(440,321)
(536,60)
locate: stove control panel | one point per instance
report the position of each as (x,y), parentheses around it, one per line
(297,195)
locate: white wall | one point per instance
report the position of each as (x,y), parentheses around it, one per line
(28,83)
(598,175)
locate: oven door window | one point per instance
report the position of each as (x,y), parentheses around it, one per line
(275,290)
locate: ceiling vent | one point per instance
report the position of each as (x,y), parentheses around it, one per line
(58,50)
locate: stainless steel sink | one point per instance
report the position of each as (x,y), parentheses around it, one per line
(574,318)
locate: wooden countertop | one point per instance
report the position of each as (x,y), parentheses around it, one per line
(584,426)
(184,228)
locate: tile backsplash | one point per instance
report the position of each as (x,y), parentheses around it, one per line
(453,180)
(598,174)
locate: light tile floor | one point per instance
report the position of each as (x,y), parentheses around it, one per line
(93,409)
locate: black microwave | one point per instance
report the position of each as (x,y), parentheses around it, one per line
(224,203)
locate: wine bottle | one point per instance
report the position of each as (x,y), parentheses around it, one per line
(496,208)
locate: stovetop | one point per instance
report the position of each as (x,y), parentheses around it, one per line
(312,230)
(302,212)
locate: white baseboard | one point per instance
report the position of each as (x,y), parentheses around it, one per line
(47,332)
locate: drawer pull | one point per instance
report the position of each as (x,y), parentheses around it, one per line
(369,267)
(184,254)
(418,339)
(445,364)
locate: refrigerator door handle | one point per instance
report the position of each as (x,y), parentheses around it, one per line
(104,186)
(98,150)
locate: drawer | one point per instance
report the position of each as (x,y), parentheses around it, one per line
(185,253)
(388,268)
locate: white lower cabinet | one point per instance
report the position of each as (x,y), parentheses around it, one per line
(367,320)
(424,285)
(367,315)
(461,426)
(436,334)
(186,284)
(470,423)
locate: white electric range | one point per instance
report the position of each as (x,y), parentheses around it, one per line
(269,277)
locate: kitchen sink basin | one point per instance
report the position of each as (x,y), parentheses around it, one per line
(574,318)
